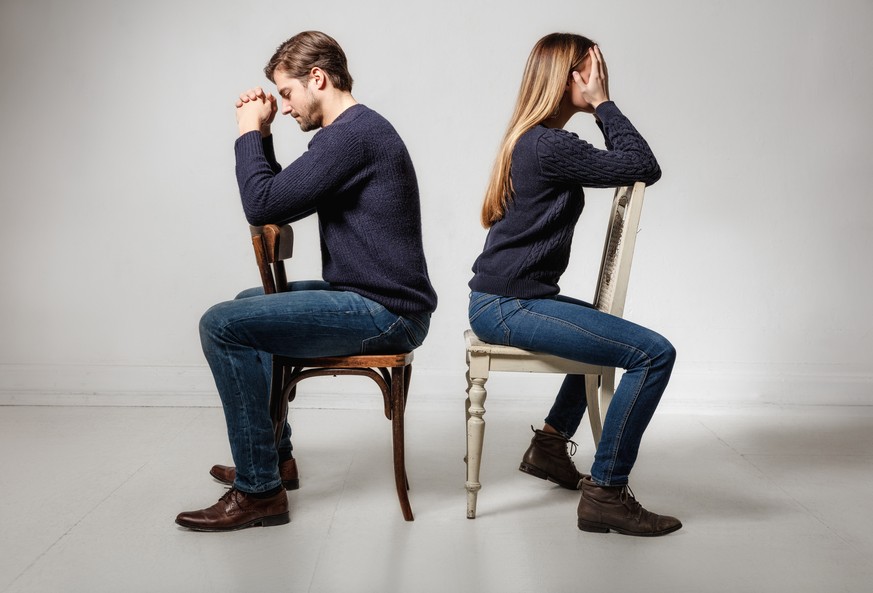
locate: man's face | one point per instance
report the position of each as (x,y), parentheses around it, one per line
(299,101)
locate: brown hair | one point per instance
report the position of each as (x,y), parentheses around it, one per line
(308,50)
(545,76)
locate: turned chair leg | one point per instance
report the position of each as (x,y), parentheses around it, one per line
(476,395)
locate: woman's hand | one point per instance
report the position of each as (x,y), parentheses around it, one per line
(255,110)
(596,89)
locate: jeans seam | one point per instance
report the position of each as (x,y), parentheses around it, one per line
(410,335)
(477,314)
(241,402)
(624,421)
(482,297)
(588,333)
(501,319)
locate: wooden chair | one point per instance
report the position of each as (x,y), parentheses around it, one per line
(483,358)
(391,372)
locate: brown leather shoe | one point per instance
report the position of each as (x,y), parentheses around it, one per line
(547,458)
(287,473)
(602,508)
(237,510)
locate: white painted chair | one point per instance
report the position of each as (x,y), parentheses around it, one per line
(483,358)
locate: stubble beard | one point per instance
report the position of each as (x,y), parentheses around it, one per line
(311,120)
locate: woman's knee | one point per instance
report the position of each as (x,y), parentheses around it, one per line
(664,351)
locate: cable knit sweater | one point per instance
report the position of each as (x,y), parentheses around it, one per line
(528,250)
(358,177)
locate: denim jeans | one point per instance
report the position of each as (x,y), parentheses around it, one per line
(239,338)
(572,329)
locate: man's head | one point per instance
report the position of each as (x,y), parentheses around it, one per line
(307,64)
(308,50)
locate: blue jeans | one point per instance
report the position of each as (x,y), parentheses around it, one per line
(239,338)
(571,329)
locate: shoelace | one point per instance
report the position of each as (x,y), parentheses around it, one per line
(228,495)
(629,500)
(573,447)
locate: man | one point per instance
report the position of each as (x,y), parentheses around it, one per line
(375,297)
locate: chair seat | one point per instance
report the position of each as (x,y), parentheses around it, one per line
(357,361)
(509,358)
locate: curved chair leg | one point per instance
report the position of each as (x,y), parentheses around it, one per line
(476,395)
(278,401)
(398,400)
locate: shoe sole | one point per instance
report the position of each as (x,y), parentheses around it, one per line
(271,521)
(604,528)
(287,484)
(538,473)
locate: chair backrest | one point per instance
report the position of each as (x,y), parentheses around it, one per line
(618,250)
(273,245)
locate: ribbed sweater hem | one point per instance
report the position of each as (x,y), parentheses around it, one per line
(522,288)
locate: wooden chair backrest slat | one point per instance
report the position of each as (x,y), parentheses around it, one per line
(273,244)
(618,249)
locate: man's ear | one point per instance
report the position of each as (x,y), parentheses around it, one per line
(318,77)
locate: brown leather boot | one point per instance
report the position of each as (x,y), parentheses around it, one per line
(287,473)
(236,510)
(602,508)
(547,458)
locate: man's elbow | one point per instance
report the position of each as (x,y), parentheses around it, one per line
(254,215)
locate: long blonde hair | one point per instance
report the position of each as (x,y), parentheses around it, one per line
(545,77)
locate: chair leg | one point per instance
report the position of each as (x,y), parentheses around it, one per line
(592,396)
(476,395)
(467,408)
(398,399)
(407,377)
(278,401)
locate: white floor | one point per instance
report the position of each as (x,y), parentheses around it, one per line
(772,499)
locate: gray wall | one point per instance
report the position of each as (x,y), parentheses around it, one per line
(120,222)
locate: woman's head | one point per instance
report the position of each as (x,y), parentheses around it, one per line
(546,78)
(547,74)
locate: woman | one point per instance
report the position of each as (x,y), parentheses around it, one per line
(533,201)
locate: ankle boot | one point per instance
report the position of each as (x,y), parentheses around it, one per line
(602,508)
(547,458)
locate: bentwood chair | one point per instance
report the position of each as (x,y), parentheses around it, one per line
(483,358)
(391,372)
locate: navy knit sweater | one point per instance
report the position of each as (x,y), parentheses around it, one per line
(358,177)
(527,251)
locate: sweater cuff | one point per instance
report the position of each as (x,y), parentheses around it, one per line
(249,145)
(269,151)
(606,109)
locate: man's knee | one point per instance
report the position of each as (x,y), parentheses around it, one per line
(250,292)
(212,322)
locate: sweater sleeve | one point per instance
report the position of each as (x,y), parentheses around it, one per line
(270,154)
(628,158)
(271,196)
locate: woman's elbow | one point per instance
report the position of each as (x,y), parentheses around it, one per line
(653,174)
